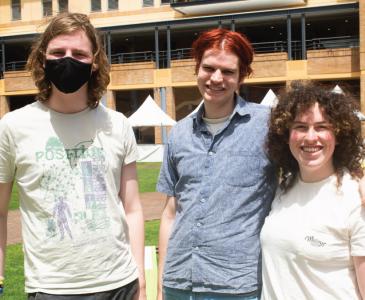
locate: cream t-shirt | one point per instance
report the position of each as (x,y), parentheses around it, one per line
(68,169)
(308,241)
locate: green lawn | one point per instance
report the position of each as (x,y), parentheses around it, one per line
(14,272)
(147,176)
(14,283)
(147,179)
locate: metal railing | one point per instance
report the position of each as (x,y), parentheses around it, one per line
(185,53)
(15,65)
(333,42)
(130,57)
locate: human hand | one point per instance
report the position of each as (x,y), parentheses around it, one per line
(140,294)
(159,295)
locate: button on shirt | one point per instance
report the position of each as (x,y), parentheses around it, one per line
(224,185)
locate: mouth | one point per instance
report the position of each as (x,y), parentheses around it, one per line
(215,88)
(311,149)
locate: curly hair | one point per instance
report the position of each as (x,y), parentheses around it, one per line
(231,41)
(339,110)
(66,23)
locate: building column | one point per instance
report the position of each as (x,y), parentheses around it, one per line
(4,106)
(170,102)
(288,29)
(158,132)
(157,49)
(304,39)
(362,60)
(170,109)
(110,99)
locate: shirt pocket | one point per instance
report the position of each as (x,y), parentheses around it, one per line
(242,169)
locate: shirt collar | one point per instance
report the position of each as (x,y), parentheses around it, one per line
(240,108)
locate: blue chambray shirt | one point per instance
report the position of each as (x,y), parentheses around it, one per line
(224,186)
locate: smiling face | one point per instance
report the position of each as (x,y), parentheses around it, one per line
(218,79)
(76,45)
(312,142)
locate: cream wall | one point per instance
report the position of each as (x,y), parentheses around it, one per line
(328,2)
(129,12)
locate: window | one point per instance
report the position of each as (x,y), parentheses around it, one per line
(62,5)
(112,4)
(95,5)
(47,8)
(16,10)
(147,3)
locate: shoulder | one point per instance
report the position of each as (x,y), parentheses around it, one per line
(350,190)
(183,127)
(24,111)
(255,109)
(110,113)
(113,123)
(22,115)
(112,118)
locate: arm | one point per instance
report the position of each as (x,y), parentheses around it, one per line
(5,192)
(134,215)
(167,221)
(359,262)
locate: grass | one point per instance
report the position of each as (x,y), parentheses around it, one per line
(147,179)
(14,271)
(147,176)
(151,232)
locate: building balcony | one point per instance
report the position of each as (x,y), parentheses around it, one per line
(208,7)
(324,57)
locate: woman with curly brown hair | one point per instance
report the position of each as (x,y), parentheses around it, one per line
(313,241)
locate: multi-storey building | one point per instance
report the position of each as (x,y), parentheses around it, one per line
(148,44)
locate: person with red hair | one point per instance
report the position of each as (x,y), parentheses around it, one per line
(218,181)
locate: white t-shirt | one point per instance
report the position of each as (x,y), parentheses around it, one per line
(308,241)
(68,169)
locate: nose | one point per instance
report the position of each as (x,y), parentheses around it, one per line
(217,76)
(311,135)
(68,53)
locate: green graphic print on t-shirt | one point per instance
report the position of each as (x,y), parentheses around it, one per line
(73,183)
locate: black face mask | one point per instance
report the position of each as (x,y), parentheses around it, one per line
(67,73)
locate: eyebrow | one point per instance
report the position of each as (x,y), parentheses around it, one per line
(224,69)
(62,49)
(316,123)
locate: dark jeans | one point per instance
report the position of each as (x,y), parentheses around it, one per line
(123,293)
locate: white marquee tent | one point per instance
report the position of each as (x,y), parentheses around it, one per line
(270,99)
(150,114)
(337,90)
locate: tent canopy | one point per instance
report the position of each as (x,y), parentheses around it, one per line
(337,90)
(270,99)
(150,114)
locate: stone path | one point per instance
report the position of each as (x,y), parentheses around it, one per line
(152,203)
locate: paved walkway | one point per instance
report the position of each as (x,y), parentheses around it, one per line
(152,203)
